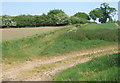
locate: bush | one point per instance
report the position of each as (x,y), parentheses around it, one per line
(42,20)
(55,11)
(58,17)
(7,21)
(61,19)
(74,20)
(24,20)
(82,15)
(83,21)
(97,34)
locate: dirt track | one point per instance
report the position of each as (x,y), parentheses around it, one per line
(53,65)
(16,33)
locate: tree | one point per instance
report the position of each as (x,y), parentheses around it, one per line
(61,19)
(7,21)
(30,20)
(74,20)
(82,15)
(20,20)
(0,21)
(55,11)
(44,20)
(107,12)
(58,17)
(103,13)
(94,14)
(25,20)
(41,20)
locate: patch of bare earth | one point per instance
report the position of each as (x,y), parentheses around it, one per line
(49,66)
(17,33)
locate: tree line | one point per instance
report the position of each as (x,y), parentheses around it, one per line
(58,17)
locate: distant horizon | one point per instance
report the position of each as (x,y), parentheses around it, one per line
(38,8)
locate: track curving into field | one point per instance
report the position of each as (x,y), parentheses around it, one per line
(54,64)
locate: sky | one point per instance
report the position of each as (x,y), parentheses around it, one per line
(38,8)
(59,0)
(119,11)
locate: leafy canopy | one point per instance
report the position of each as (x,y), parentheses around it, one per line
(82,15)
(104,13)
(55,11)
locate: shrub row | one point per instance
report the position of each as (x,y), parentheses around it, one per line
(53,18)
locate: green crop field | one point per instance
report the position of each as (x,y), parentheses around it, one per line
(101,26)
(103,68)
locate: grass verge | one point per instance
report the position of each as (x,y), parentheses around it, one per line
(104,68)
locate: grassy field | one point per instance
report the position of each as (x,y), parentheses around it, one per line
(57,42)
(101,26)
(104,68)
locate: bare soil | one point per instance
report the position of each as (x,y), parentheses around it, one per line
(16,33)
